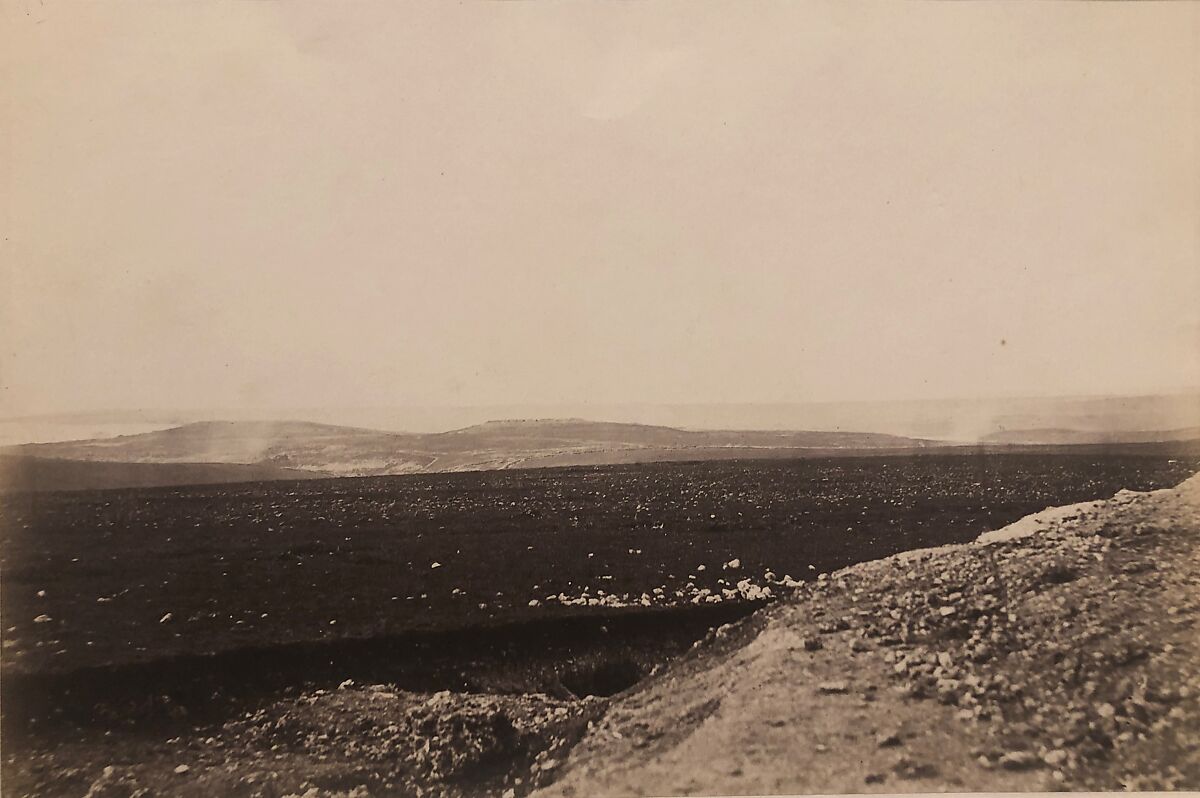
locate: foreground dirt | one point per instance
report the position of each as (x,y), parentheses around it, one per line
(1057,653)
(1060,653)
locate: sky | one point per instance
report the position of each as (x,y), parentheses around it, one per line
(271,205)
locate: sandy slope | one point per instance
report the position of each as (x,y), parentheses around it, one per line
(1058,653)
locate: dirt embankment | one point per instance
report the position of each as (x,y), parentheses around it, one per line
(1058,653)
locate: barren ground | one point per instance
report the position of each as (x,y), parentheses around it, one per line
(1058,653)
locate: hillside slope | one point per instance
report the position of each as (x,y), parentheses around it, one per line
(1058,653)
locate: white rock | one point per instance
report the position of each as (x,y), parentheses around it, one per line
(1055,757)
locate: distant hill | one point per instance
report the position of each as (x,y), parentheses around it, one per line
(963,420)
(24,473)
(324,448)
(328,450)
(1057,436)
(548,433)
(210,452)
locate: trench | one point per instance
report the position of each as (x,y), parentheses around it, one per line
(593,654)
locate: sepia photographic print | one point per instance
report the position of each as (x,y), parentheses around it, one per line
(571,399)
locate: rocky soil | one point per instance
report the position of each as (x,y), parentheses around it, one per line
(353,741)
(1057,653)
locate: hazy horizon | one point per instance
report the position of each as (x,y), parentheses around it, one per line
(510,205)
(960,420)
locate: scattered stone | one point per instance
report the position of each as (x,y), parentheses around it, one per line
(1020,760)
(981,653)
(830,627)
(1162,695)
(181,769)
(888,740)
(832,688)
(1055,758)
(1058,572)
(906,768)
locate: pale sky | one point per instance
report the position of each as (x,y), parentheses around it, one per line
(282,204)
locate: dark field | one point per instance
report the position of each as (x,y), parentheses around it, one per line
(125,576)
